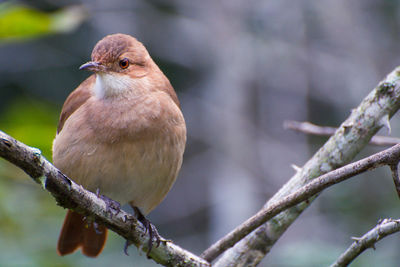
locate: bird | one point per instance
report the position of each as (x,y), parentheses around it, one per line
(122,133)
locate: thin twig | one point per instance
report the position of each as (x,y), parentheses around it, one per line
(395,176)
(316,186)
(384,228)
(70,195)
(313,129)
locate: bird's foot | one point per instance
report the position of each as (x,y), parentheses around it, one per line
(127,244)
(151,229)
(66,179)
(89,222)
(112,207)
(97,228)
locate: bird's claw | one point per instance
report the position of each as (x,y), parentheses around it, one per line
(151,229)
(96,228)
(127,244)
(112,207)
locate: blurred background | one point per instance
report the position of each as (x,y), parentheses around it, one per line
(240,69)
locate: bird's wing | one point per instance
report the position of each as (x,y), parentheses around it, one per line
(76,99)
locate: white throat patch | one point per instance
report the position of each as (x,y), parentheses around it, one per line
(111,84)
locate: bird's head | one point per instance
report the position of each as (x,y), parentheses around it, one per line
(121,64)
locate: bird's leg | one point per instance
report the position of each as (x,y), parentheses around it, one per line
(127,244)
(113,207)
(90,221)
(96,228)
(150,228)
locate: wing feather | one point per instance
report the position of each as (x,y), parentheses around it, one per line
(76,99)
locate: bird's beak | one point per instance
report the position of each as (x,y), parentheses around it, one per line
(92,66)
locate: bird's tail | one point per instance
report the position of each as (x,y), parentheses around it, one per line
(77,233)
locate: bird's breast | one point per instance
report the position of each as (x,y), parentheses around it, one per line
(132,152)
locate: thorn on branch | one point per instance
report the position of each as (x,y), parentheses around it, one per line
(357,239)
(346,127)
(296,168)
(386,123)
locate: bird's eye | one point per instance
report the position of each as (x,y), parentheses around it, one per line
(124,63)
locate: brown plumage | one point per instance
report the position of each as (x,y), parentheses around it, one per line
(76,232)
(122,132)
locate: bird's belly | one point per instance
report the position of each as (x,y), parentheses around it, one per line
(140,172)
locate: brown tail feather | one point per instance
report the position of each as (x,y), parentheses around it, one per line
(76,233)
(93,243)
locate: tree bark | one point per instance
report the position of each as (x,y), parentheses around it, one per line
(371,115)
(70,195)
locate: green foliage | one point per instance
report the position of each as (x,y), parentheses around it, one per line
(32,122)
(21,22)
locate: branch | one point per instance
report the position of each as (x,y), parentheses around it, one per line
(388,157)
(371,115)
(384,228)
(395,176)
(309,128)
(70,195)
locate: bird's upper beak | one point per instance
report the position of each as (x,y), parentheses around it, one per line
(92,66)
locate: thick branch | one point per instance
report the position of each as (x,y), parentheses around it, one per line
(388,157)
(371,115)
(309,128)
(73,196)
(384,228)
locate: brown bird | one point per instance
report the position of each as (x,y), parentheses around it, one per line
(121,132)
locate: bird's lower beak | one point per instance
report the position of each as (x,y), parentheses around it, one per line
(92,66)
